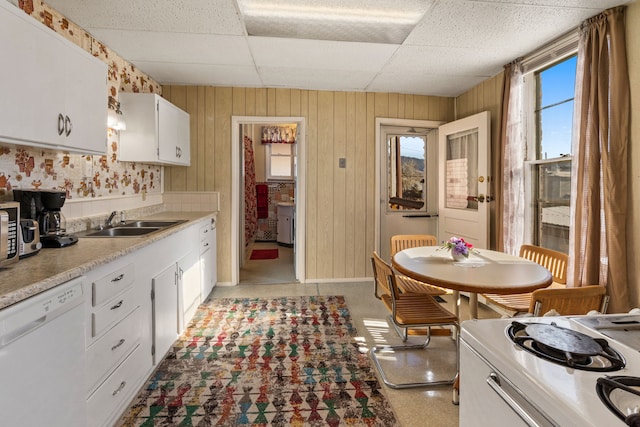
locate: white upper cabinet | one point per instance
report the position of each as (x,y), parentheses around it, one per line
(157,131)
(54,93)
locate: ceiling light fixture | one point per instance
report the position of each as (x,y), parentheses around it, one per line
(373,21)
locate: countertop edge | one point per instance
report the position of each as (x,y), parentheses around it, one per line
(127,245)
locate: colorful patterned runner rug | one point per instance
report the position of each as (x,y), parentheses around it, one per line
(283,361)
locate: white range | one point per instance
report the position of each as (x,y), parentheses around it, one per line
(550,371)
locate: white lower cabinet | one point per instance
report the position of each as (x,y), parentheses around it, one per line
(165,311)
(118,389)
(135,309)
(208,255)
(189,286)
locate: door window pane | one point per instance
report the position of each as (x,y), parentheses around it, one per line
(407,172)
(461,173)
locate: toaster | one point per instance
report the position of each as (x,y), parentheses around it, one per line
(9,219)
(29,238)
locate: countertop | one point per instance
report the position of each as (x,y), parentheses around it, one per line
(53,266)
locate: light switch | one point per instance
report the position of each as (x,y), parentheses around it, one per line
(342,163)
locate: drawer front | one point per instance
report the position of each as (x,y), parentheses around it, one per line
(111,284)
(206,237)
(117,390)
(112,312)
(111,348)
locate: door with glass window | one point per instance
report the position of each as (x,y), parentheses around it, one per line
(464,175)
(408,199)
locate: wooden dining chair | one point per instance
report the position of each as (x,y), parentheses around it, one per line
(400,242)
(408,310)
(569,301)
(554,261)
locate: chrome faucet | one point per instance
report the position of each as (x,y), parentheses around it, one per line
(108,221)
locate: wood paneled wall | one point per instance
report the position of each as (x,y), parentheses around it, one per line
(340,202)
(487,96)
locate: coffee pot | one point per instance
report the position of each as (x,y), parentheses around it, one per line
(44,206)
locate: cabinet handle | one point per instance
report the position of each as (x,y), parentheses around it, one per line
(118,305)
(117,279)
(118,345)
(119,389)
(60,124)
(67,125)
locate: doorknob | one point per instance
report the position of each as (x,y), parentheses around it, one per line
(480,198)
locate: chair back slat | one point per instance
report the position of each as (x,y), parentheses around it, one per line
(568,301)
(400,242)
(554,261)
(384,277)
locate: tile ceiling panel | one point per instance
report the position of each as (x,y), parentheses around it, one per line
(424,84)
(455,45)
(202,74)
(182,16)
(318,79)
(316,54)
(177,47)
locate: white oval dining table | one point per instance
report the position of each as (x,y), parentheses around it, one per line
(485,271)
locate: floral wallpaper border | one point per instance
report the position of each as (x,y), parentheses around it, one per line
(82,176)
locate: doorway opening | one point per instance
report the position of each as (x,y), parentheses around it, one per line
(268,200)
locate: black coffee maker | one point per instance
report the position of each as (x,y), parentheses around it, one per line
(44,206)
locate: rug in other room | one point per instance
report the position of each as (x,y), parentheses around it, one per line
(264,253)
(281,361)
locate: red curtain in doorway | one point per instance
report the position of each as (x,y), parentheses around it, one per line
(250,200)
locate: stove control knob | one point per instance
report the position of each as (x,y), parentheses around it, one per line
(36,246)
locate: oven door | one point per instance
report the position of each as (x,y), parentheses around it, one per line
(489,399)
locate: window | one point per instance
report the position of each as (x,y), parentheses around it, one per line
(549,153)
(280,162)
(407,171)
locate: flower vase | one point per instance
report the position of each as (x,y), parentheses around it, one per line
(458,257)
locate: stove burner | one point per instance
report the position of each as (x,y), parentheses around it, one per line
(622,396)
(566,347)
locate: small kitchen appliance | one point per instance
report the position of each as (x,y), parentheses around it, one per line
(29,238)
(44,207)
(551,371)
(9,218)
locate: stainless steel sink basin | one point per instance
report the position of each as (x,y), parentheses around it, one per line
(157,224)
(122,232)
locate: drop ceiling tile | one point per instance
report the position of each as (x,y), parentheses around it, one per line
(446,60)
(424,84)
(201,74)
(459,23)
(316,54)
(340,80)
(177,47)
(192,16)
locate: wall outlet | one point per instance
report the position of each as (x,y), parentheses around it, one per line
(342,163)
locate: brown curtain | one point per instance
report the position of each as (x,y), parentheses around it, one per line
(598,246)
(498,166)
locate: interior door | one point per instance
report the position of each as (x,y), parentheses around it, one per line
(464,174)
(408,201)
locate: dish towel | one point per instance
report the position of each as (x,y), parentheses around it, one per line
(262,192)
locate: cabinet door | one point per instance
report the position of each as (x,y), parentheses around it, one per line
(55,91)
(86,102)
(165,312)
(173,134)
(189,285)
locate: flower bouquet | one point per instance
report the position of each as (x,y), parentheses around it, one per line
(459,248)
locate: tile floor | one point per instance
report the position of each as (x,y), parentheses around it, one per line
(413,407)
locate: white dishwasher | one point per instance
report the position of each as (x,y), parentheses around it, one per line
(42,359)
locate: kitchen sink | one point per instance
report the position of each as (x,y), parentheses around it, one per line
(157,224)
(122,232)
